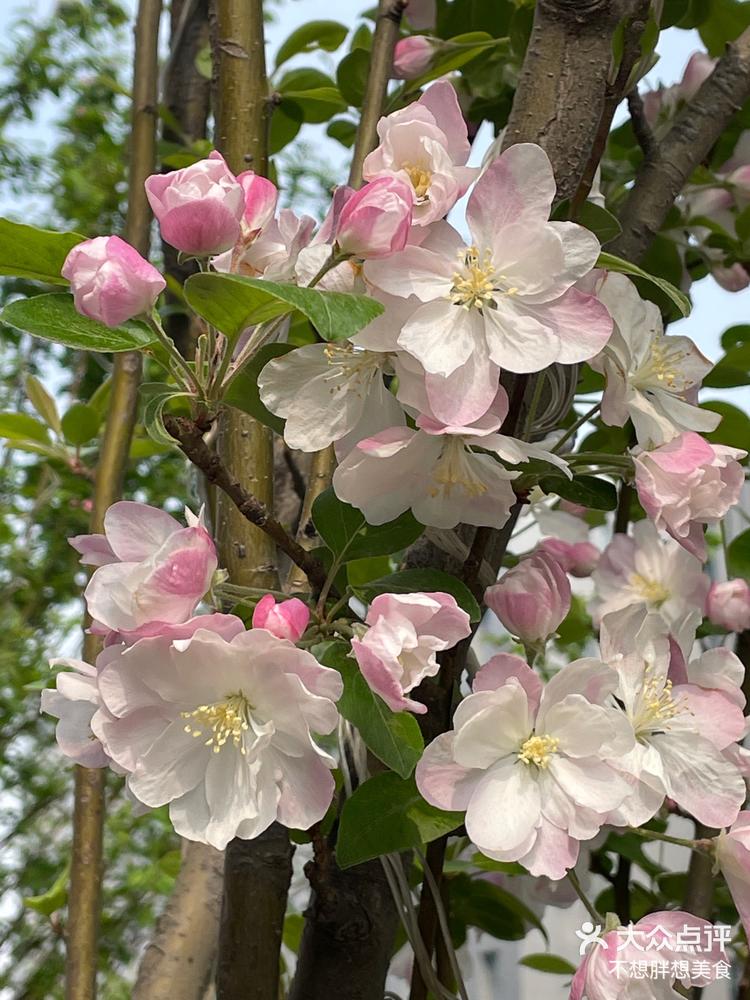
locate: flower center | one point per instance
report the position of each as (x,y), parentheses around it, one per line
(650,590)
(221,721)
(453,469)
(420,180)
(662,368)
(657,704)
(538,750)
(350,364)
(474,283)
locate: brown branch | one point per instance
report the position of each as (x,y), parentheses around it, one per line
(190,438)
(560,101)
(88,814)
(179,957)
(641,128)
(698,126)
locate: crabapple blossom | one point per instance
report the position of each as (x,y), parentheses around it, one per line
(567,541)
(261,196)
(645,568)
(728,605)
(686,484)
(509,295)
(324,391)
(110,281)
(399,648)
(73,701)
(651,378)
(199,208)
(412,56)
(221,731)
(546,751)
(375,221)
(158,573)
(681,729)
(733,857)
(664,102)
(532,598)
(425,145)
(273,252)
(285,619)
(605,972)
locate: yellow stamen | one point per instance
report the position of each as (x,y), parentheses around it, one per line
(420,180)
(538,750)
(453,470)
(650,590)
(221,721)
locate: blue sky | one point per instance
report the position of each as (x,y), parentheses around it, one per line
(714,309)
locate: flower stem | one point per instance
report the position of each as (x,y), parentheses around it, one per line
(574,427)
(592,910)
(693,845)
(191,382)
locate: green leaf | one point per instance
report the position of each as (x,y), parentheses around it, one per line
(731,370)
(22,427)
(455,58)
(243,391)
(590,491)
(734,429)
(735,335)
(27,252)
(80,424)
(738,556)
(394,737)
(478,903)
(599,221)
(319,104)
(386,815)
(311,37)
(348,535)
(155,397)
(411,581)
(232,302)
(43,403)
(342,131)
(553,964)
(727,20)
(54,898)
(612,263)
(286,121)
(351,76)
(54,317)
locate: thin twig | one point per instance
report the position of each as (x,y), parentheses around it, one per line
(641,128)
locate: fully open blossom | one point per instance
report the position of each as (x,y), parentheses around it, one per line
(199,208)
(425,144)
(110,281)
(686,484)
(532,598)
(221,730)
(274,251)
(651,378)
(610,969)
(681,728)
(412,56)
(509,295)
(728,605)
(324,391)
(157,574)
(400,647)
(530,767)
(375,221)
(645,568)
(733,857)
(285,619)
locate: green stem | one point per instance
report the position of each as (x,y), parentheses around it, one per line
(191,382)
(533,405)
(692,845)
(599,458)
(574,427)
(592,910)
(334,260)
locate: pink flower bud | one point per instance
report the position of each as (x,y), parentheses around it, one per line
(577,558)
(110,281)
(728,605)
(686,484)
(375,221)
(285,620)
(412,57)
(200,207)
(532,599)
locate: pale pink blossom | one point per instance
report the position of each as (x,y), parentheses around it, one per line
(733,856)
(545,751)
(261,196)
(686,484)
(412,56)
(221,731)
(681,729)
(273,252)
(158,573)
(509,295)
(567,540)
(608,971)
(375,220)
(651,378)
(425,145)
(110,281)
(665,102)
(285,619)
(532,598)
(728,605)
(645,568)
(199,208)
(73,701)
(400,647)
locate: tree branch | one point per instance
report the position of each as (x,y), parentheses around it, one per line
(641,128)
(695,130)
(88,815)
(190,438)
